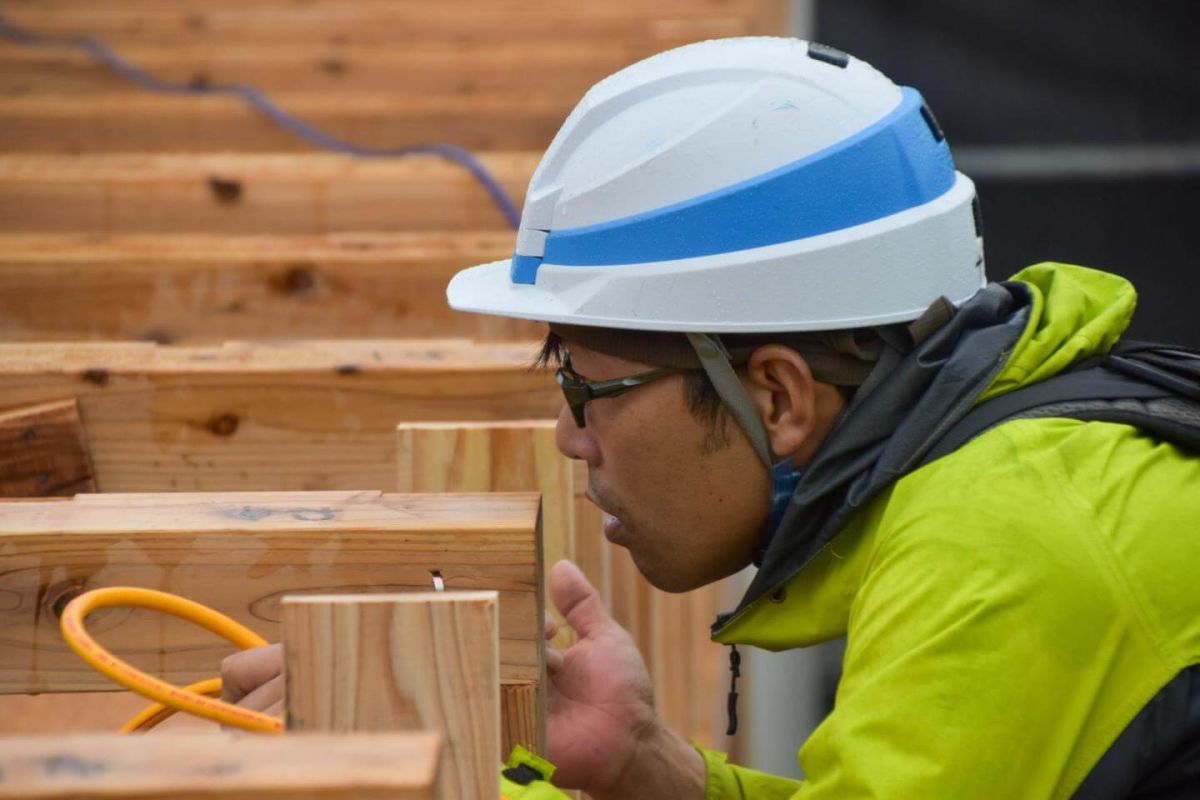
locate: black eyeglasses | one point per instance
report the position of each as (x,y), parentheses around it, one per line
(579,392)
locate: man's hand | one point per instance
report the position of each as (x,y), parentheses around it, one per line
(254,679)
(604,735)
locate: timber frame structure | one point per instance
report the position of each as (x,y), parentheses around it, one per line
(227,370)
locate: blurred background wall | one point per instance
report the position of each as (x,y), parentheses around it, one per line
(1079,121)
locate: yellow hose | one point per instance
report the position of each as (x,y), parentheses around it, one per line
(199,698)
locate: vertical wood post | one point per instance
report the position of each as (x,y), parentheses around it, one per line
(420,661)
(519,456)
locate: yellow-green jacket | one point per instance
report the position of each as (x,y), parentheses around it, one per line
(1010,608)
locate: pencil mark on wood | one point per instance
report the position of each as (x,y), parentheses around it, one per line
(258,513)
(73,766)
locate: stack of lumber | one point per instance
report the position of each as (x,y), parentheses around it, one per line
(489,74)
(193,299)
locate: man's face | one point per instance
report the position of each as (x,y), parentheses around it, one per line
(688,513)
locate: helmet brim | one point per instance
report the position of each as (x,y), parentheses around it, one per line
(488,289)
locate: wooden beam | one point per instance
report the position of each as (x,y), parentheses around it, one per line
(518,456)
(395,766)
(241,553)
(61,713)
(413,662)
(192,288)
(522,717)
(263,193)
(565,69)
(593,553)
(389,23)
(279,416)
(43,452)
(119,122)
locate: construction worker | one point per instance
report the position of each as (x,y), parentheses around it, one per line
(765,290)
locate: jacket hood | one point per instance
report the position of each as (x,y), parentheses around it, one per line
(1008,335)
(1076,313)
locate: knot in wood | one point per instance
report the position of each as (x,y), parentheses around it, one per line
(223,424)
(227,192)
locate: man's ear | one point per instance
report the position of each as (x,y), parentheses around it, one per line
(784,392)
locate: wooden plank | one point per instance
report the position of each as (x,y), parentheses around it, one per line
(387,21)
(43,452)
(119,122)
(518,456)
(426,661)
(565,69)
(262,193)
(194,288)
(61,713)
(279,416)
(240,553)
(396,766)
(593,553)
(521,719)
(105,712)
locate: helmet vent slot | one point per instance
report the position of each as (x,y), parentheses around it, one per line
(932,122)
(830,55)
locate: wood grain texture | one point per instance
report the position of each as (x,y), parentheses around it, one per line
(518,456)
(206,288)
(522,721)
(251,193)
(241,553)
(392,22)
(306,415)
(119,122)
(593,553)
(395,766)
(61,713)
(426,661)
(43,452)
(565,68)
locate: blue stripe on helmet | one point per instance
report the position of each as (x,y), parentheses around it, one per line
(891,166)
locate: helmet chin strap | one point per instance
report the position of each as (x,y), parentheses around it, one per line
(715,360)
(784,473)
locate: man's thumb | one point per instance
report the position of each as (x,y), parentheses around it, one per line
(577,600)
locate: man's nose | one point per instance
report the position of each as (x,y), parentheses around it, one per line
(574,441)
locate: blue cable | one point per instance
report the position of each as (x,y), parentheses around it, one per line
(254,97)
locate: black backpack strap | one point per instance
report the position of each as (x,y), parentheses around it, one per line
(1173,368)
(1155,388)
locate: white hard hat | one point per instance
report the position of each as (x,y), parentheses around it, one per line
(738,186)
